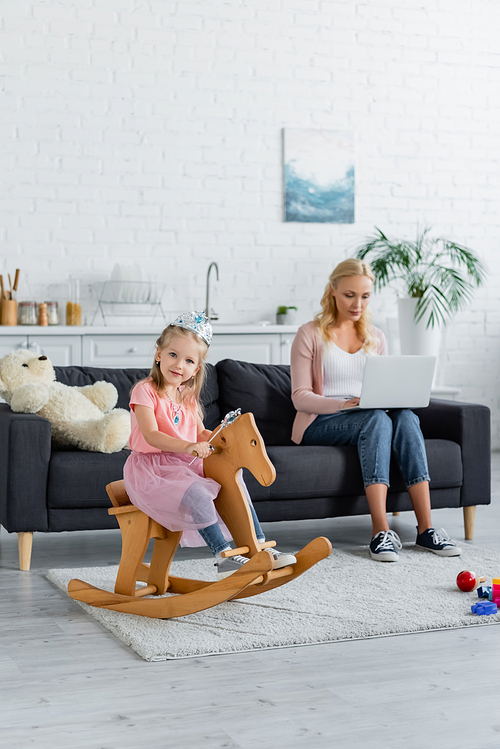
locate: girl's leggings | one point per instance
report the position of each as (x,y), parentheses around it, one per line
(213,537)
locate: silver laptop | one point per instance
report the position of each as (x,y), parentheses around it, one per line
(397,382)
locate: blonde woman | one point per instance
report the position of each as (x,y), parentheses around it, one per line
(327,367)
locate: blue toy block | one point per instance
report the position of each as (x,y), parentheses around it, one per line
(484,608)
(484,591)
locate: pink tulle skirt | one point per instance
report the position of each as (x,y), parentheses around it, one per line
(157,482)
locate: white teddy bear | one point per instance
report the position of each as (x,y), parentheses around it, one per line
(81,416)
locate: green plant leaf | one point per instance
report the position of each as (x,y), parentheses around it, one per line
(439,272)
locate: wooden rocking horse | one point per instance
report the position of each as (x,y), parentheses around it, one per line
(236,446)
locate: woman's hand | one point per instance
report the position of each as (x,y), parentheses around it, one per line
(199,449)
(350,403)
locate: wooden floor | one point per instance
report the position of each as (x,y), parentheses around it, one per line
(67,683)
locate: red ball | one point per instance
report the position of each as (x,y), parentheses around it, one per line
(466,580)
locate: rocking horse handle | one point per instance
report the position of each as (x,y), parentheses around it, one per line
(195,453)
(228,419)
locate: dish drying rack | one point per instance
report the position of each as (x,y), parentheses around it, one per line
(130,299)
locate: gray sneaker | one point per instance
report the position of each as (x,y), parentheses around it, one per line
(281,559)
(227,566)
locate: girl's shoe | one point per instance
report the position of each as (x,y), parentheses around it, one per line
(281,559)
(384,546)
(439,542)
(226,567)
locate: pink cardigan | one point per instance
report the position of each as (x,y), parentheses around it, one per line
(307,377)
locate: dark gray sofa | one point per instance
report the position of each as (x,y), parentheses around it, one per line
(45,487)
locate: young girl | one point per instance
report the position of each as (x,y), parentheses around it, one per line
(167,431)
(327,367)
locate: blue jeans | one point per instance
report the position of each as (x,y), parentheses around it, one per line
(215,540)
(376,433)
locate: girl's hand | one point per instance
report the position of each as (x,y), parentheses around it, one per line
(351,403)
(199,449)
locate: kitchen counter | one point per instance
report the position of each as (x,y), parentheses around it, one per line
(133,346)
(154,330)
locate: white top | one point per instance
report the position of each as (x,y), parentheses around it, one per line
(342,372)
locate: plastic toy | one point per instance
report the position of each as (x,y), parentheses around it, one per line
(468,581)
(484,591)
(238,445)
(484,608)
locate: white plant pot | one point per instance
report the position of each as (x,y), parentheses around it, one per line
(416,339)
(287,319)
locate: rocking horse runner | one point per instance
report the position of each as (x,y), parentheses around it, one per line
(162,491)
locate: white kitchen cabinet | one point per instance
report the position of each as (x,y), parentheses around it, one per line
(102,347)
(286,348)
(260,349)
(11,343)
(118,350)
(62,350)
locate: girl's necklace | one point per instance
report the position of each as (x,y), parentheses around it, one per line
(176,407)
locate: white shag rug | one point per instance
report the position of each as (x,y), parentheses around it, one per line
(347,596)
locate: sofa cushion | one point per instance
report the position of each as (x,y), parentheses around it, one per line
(209,398)
(304,472)
(78,479)
(262,389)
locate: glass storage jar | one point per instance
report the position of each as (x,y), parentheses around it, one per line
(27,313)
(73,306)
(52,313)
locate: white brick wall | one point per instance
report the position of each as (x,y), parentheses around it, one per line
(152,130)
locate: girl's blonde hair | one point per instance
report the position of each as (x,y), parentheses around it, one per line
(192,388)
(325,319)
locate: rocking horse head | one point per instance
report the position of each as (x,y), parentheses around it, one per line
(240,445)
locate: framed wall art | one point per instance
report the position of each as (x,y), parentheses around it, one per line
(319,176)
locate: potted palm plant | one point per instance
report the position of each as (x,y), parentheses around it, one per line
(438,276)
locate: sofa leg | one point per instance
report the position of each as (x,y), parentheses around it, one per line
(469,519)
(25,542)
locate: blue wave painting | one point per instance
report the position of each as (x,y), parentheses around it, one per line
(319,176)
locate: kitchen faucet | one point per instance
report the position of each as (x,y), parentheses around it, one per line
(211,315)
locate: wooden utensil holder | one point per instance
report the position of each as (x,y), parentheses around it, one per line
(9,312)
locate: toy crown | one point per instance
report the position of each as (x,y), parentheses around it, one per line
(196,322)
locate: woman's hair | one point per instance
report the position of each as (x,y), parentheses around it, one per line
(192,388)
(325,319)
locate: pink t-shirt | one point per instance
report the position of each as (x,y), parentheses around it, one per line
(144,394)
